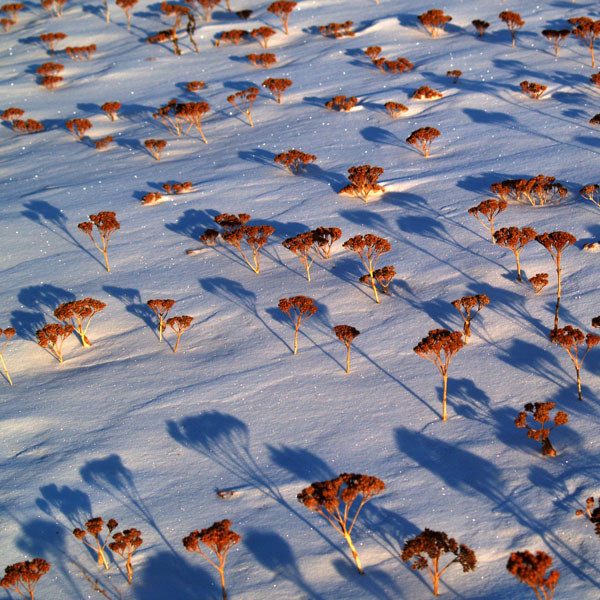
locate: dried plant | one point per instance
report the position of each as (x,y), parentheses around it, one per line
(595,79)
(531,569)
(555,243)
(302,245)
(592,513)
(155,147)
(12,10)
(426,93)
(52,337)
(152,198)
(282,8)
(538,191)
(595,120)
(540,412)
(346,334)
(234,36)
(439,347)
(262,34)
(342,103)
(480,26)
(174,114)
(532,89)
(81,52)
(337,30)
(363,181)
(422,138)
(298,309)
(591,193)
(556,37)
(515,239)
(195,86)
(209,237)
(368,248)
(179,325)
(277,86)
(333,500)
(176,11)
(167,35)
(79,313)
(7,24)
(125,544)
(324,238)
(490,209)
(382,276)
(513,22)
(94,528)
(400,65)
(395,109)
(572,340)
(178,188)
(107,224)
(265,60)
(455,74)
(208,6)
(79,127)
(111,109)
(127,6)
(104,143)
(29,126)
(9,332)
(471,305)
(432,545)
(373,52)
(50,82)
(246,99)
(220,539)
(51,39)
(434,21)
(539,281)
(295,161)
(12,114)
(49,68)
(161,308)
(54,7)
(23,577)
(244,15)
(587,31)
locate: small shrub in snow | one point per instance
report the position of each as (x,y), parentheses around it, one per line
(243,101)
(540,413)
(195,86)
(7,24)
(178,188)
(106,223)
(78,127)
(434,21)
(513,22)
(161,308)
(262,35)
(175,11)
(431,545)
(51,39)
(480,26)
(94,528)
(298,309)
(556,37)
(208,6)
(301,245)
(426,93)
(395,109)
(587,31)
(277,86)
(23,577)
(54,7)
(179,325)
(49,68)
(489,209)
(265,60)
(363,181)
(127,6)
(12,114)
(81,52)
(421,138)
(515,239)
(12,10)
(469,307)
(283,9)
(539,281)
(29,126)
(111,109)
(382,276)
(52,337)
(155,147)
(531,569)
(455,74)
(220,539)
(125,544)
(595,79)
(50,82)
(79,313)
(341,103)
(368,248)
(556,242)
(333,500)
(346,334)
(294,160)
(9,332)
(572,340)
(152,198)
(592,513)
(337,30)
(595,120)
(538,191)
(591,193)
(532,89)
(166,35)
(104,143)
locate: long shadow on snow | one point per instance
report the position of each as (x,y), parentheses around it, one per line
(193,223)
(72,504)
(45,297)
(273,553)
(381,136)
(132,300)
(27,323)
(378,583)
(301,463)
(225,440)
(111,476)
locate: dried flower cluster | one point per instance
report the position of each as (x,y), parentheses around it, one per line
(346,335)
(317,242)
(125,544)
(363,181)
(434,21)
(480,26)
(177,188)
(337,30)
(591,193)
(51,39)
(175,114)
(298,309)
(111,109)
(539,281)
(195,86)
(586,30)
(94,528)
(426,93)
(395,109)
(81,52)
(532,89)
(540,412)
(79,127)
(400,65)
(422,138)
(515,239)
(155,147)
(262,35)
(23,577)
(489,209)
(104,143)
(513,22)
(283,9)
(341,103)
(243,101)
(52,336)
(455,74)
(531,569)
(277,86)
(556,37)
(179,325)
(79,313)
(265,60)
(106,223)
(538,191)
(469,307)
(161,308)
(383,276)
(368,248)
(294,160)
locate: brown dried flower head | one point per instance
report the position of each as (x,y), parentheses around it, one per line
(262,34)
(342,103)
(337,30)
(294,160)
(434,21)
(426,93)
(395,109)
(422,138)
(480,26)
(277,86)
(531,569)
(532,89)
(363,181)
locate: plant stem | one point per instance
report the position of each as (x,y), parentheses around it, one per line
(518,267)
(348,360)
(6,370)
(445,376)
(578,382)
(373,286)
(558,270)
(354,553)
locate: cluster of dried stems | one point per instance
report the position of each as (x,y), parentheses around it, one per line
(179,325)
(337,30)
(166,35)
(422,138)
(592,513)
(264,60)
(177,188)
(277,86)
(312,244)
(341,103)
(395,109)
(595,120)
(161,308)
(195,86)
(556,37)
(127,6)
(368,248)
(382,276)
(532,89)
(455,74)
(111,109)
(94,527)
(106,223)
(333,499)
(8,333)
(262,35)
(400,65)
(104,143)
(51,39)
(515,239)
(540,413)
(220,539)
(513,22)
(431,545)
(469,307)
(19,125)
(12,10)
(346,335)
(52,337)
(298,309)
(539,281)
(595,79)
(480,26)
(531,569)
(283,9)
(243,101)
(538,191)
(294,161)
(489,209)
(586,30)
(152,198)
(50,82)
(81,52)
(363,181)
(79,313)
(175,114)
(155,147)
(78,127)
(23,577)
(591,193)
(434,21)
(125,544)
(49,68)
(426,93)
(235,36)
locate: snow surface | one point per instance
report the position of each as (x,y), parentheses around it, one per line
(129,430)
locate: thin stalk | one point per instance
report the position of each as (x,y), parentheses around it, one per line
(177,343)
(354,553)
(445,376)
(129,569)
(578,381)
(296,338)
(348,359)
(373,286)
(518,267)
(6,370)
(558,270)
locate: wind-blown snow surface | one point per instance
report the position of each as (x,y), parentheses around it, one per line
(129,430)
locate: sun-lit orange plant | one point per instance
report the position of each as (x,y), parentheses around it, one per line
(264,60)
(79,313)
(489,209)
(243,101)
(298,309)
(179,325)
(341,103)
(556,37)
(532,89)
(23,577)
(78,127)
(480,26)
(346,334)
(363,181)
(106,223)
(337,30)
(111,109)
(52,336)
(161,308)
(513,21)
(294,161)
(51,39)
(94,527)
(125,544)
(277,86)
(368,248)
(531,570)
(434,21)
(262,35)
(155,147)
(469,307)
(8,333)
(426,93)
(587,31)
(422,138)
(515,239)
(395,109)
